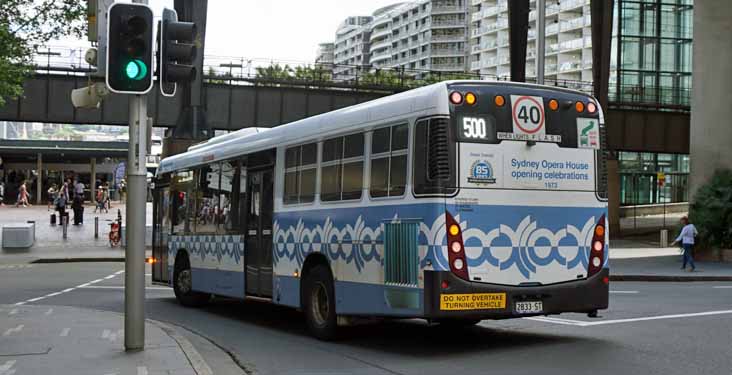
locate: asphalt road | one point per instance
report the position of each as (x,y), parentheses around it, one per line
(651,328)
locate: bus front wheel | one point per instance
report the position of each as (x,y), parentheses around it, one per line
(320,303)
(183,285)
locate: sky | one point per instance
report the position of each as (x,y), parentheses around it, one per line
(279,30)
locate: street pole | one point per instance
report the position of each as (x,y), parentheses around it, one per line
(135,223)
(540,40)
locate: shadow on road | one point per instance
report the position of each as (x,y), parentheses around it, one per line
(407,337)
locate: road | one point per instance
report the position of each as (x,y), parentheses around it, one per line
(664,328)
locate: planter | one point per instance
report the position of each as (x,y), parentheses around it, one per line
(713,255)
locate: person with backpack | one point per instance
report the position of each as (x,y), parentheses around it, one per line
(686,238)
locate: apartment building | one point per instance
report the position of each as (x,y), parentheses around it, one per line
(421,36)
(324,54)
(568,39)
(351,50)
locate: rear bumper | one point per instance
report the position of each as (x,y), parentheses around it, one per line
(575,296)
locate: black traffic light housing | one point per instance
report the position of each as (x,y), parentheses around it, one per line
(176,52)
(129,48)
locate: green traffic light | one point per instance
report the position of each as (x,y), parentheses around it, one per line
(135,69)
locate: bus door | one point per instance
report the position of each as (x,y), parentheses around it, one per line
(258,251)
(161,233)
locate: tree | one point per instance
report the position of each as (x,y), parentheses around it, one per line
(24,26)
(275,72)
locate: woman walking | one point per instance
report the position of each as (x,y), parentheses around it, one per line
(686,237)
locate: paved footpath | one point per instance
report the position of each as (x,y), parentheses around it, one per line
(68,340)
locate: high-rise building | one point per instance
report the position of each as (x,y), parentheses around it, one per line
(568,40)
(420,36)
(351,53)
(324,55)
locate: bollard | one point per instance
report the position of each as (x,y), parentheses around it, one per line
(64,224)
(96,227)
(664,237)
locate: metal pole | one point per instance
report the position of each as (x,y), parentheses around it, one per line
(135,232)
(96,227)
(540,40)
(64,224)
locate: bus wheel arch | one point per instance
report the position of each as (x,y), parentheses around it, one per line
(183,284)
(317,297)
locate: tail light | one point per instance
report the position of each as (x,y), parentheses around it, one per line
(597,248)
(455,248)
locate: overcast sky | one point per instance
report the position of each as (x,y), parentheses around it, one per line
(282,30)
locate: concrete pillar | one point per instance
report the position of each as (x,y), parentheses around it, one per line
(39,180)
(173,146)
(93,180)
(613,197)
(711,133)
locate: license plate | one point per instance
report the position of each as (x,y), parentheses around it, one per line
(528,307)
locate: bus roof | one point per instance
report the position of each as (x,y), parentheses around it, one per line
(431,99)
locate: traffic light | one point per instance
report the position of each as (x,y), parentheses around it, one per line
(177,52)
(129,48)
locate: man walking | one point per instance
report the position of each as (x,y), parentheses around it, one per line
(686,237)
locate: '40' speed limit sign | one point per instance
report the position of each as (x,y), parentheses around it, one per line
(528,115)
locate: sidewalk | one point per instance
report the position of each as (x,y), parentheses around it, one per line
(661,264)
(79,244)
(68,340)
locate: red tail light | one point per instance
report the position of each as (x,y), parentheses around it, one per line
(455,248)
(597,248)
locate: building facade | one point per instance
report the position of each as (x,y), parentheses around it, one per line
(418,37)
(568,40)
(324,55)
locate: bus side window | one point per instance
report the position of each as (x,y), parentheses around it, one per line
(389,161)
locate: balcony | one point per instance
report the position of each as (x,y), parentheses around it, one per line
(445,9)
(571,44)
(570,66)
(386,43)
(447,52)
(377,33)
(571,4)
(457,37)
(576,23)
(475,2)
(437,24)
(475,65)
(452,67)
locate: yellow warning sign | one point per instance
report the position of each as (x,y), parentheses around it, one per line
(477,301)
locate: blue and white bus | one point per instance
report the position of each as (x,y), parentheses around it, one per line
(454,202)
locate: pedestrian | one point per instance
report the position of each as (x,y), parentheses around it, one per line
(2,193)
(686,238)
(22,196)
(105,197)
(79,190)
(52,192)
(65,190)
(78,207)
(123,190)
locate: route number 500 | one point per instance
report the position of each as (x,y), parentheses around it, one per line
(474,127)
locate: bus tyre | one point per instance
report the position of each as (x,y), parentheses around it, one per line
(183,285)
(320,304)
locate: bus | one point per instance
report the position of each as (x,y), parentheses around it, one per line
(454,202)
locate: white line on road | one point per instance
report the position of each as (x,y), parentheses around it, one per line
(49,312)
(13,312)
(65,332)
(141,370)
(36,299)
(13,330)
(121,287)
(722,287)
(580,323)
(623,292)
(7,366)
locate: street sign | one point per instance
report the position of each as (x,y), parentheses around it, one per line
(528,115)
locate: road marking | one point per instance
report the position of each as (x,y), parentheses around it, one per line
(65,332)
(13,312)
(105,333)
(120,287)
(141,370)
(580,323)
(36,299)
(722,287)
(13,330)
(623,292)
(49,312)
(5,369)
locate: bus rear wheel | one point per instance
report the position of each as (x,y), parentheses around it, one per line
(183,285)
(320,304)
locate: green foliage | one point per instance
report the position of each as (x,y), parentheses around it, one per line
(24,26)
(711,212)
(275,72)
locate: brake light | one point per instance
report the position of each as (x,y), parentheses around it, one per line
(597,250)
(456,98)
(456,253)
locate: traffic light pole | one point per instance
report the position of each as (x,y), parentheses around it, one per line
(135,225)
